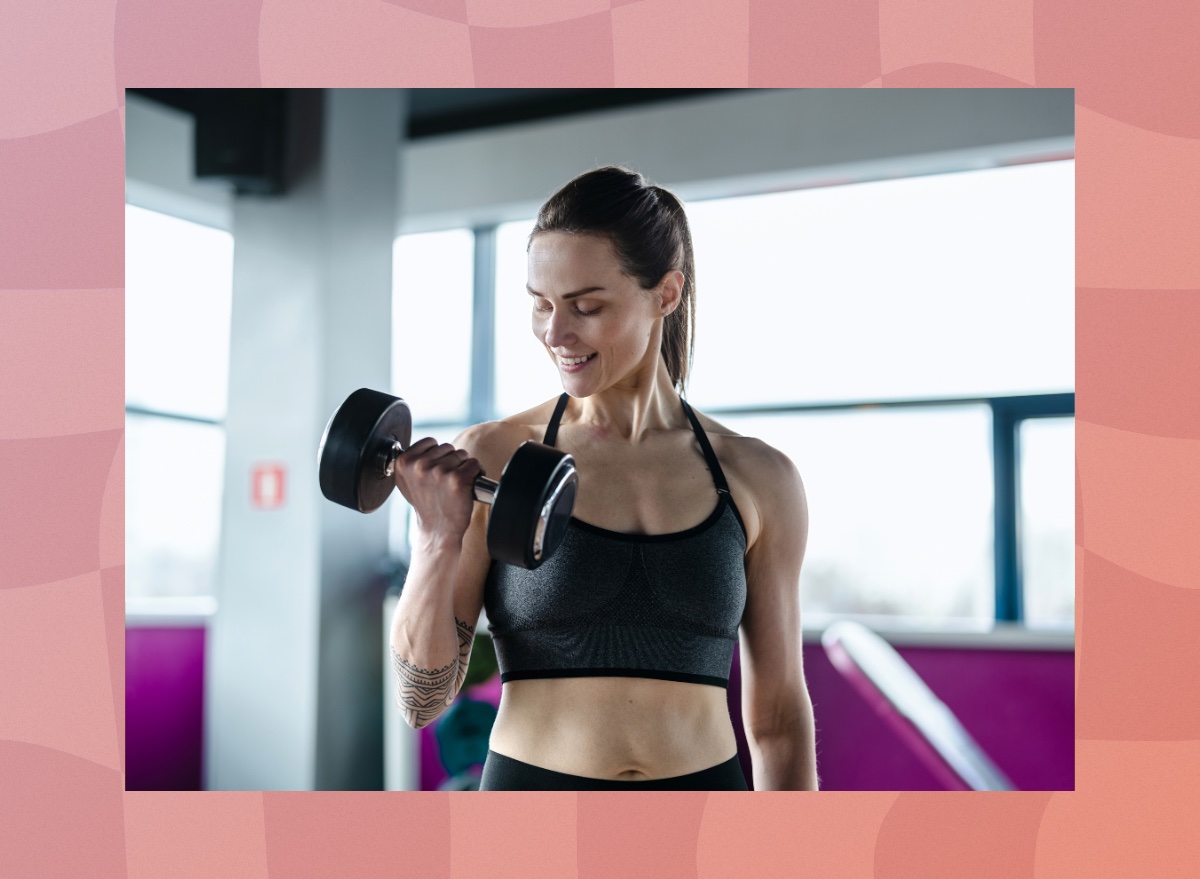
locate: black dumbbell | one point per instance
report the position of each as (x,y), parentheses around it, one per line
(531,502)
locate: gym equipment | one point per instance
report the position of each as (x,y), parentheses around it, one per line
(882,676)
(531,502)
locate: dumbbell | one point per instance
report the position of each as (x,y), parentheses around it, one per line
(531,502)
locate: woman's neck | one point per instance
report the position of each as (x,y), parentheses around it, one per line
(628,411)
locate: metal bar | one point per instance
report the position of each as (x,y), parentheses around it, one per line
(175,416)
(421,428)
(1005,471)
(1023,406)
(483,328)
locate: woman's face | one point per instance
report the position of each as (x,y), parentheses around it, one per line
(584,306)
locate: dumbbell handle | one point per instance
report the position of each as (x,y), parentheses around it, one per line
(485,488)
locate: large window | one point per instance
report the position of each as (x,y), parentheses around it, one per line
(900,508)
(432,277)
(1046,509)
(884,335)
(178,293)
(951,285)
(173,479)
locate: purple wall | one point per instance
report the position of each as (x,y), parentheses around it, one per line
(164,708)
(1018,704)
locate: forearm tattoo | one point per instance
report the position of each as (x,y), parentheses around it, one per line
(466,640)
(424,693)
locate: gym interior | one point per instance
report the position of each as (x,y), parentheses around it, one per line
(885,292)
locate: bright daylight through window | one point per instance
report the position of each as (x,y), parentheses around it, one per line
(178,293)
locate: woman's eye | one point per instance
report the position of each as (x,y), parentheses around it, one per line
(537,306)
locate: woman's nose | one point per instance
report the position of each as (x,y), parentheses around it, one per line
(559,331)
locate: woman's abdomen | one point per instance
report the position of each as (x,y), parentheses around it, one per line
(619,727)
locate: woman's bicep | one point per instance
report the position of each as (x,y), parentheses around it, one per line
(473,565)
(773,685)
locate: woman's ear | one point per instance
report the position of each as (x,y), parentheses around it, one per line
(670,291)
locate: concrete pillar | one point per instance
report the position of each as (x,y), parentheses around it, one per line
(295,657)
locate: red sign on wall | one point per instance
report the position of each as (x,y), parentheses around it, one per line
(267,484)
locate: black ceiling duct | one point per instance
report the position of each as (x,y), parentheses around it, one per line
(241,136)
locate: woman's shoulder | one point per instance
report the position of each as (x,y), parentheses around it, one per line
(753,458)
(493,442)
(767,476)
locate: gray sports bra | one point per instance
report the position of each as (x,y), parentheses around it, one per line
(606,603)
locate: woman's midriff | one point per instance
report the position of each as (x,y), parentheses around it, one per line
(619,727)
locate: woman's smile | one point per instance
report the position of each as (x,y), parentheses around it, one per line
(575,364)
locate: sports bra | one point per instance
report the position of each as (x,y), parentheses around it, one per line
(607,603)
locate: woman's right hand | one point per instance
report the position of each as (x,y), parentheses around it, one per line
(438,480)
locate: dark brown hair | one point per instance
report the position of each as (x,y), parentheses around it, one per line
(649,233)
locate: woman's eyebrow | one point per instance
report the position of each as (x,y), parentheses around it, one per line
(585,290)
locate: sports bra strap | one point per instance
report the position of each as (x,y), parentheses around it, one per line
(552,427)
(709,456)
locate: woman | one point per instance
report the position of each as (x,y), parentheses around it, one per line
(615,653)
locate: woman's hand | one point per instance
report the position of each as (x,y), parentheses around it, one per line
(438,481)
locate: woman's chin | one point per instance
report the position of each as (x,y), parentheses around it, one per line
(574,386)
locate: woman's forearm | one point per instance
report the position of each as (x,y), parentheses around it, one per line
(786,759)
(430,648)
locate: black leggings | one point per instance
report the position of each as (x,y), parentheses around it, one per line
(505,773)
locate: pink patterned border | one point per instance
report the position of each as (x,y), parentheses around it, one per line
(64,64)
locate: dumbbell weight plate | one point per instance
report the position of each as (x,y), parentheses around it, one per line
(354,447)
(521,529)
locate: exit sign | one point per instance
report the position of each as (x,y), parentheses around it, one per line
(268,486)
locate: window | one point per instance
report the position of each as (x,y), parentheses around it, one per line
(432,279)
(924,287)
(1046,517)
(178,294)
(174,475)
(900,508)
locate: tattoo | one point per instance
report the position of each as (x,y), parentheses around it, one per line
(424,693)
(466,640)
